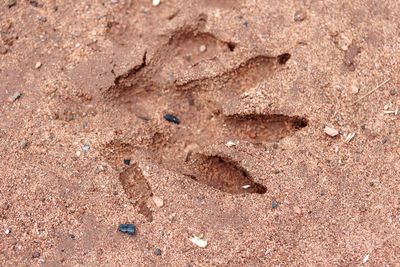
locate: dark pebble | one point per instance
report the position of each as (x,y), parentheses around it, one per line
(157,252)
(172,118)
(127,162)
(299,15)
(393,91)
(127,228)
(275,204)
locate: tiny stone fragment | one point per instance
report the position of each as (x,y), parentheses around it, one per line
(157,252)
(172,118)
(198,241)
(299,15)
(156,2)
(366,258)
(158,201)
(15,96)
(85,148)
(350,137)
(203,48)
(230,144)
(127,162)
(275,204)
(38,65)
(23,144)
(127,228)
(355,89)
(35,255)
(393,91)
(331,131)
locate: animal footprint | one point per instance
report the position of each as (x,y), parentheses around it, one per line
(147,92)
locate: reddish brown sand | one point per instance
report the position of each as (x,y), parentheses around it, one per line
(249,165)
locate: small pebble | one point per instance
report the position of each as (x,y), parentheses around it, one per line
(275,204)
(35,254)
(299,15)
(158,201)
(127,228)
(355,89)
(99,169)
(38,65)
(199,241)
(157,252)
(331,131)
(156,2)
(230,144)
(127,162)
(15,96)
(85,148)
(7,231)
(202,48)
(393,91)
(366,258)
(172,118)
(23,144)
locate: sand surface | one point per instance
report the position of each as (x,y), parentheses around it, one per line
(200,118)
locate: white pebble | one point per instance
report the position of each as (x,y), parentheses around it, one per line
(230,144)
(366,258)
(199,242)
(158,201)
(331,131)
(203,48)
(7,231)
(156,2)
(38,65)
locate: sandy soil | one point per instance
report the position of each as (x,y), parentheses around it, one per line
(243,161)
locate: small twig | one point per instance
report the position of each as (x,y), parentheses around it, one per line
(370,92)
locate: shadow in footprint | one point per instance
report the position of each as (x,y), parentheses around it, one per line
(262,128)
(225,175)
(137,189)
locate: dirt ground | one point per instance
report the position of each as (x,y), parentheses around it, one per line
(200,118)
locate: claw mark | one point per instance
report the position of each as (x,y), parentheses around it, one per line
(225,175)
(137,189)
